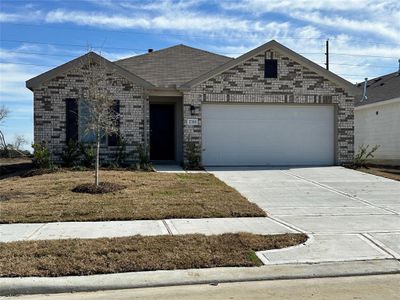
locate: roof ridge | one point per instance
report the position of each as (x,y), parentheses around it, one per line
(206,51)
(382,76)
(168,48)
(375,79)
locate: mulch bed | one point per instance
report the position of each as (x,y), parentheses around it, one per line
(54,258)
(102,188)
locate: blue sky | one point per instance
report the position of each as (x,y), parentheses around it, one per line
(38,35)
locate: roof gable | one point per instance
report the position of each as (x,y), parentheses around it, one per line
(173,66)
(36,81)
(274,45)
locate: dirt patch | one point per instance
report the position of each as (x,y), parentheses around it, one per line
(14,166)
(387,172)
(102,188)
(148,195)
(137,253)
(36,172)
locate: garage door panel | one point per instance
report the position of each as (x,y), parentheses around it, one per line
(237,134)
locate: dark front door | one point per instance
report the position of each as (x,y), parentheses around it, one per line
(162,132)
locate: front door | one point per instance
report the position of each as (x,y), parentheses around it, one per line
(162,131)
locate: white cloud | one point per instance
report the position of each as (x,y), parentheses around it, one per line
(369,26)
(261,6)
(21,16)
(379,18)
(171,20)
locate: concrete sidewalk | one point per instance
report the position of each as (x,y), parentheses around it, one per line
(69,230)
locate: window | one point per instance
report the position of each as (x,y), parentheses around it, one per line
(271,68)
(71,133)
(113,138)
(85,136)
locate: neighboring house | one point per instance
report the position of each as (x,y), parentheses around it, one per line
(377,118)
(270,106)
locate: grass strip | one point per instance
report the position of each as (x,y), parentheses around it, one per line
(54,258)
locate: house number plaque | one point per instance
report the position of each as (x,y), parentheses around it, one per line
(192,122)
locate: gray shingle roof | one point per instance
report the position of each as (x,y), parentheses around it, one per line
(172,66)
(380,89)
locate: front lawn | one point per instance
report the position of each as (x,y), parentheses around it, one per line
(137,253)
(48,198)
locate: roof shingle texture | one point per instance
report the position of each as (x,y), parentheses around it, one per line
(173,66)
(380,89)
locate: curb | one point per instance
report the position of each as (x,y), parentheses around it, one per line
(48,285)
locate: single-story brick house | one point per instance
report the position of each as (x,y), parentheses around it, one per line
(270,106)
(377,118)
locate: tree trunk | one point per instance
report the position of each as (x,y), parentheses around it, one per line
(97,162)
(3,141)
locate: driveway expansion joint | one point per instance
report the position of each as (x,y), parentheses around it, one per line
(382,246)
(286,224)
(339,192)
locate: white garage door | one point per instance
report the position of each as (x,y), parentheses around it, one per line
(267,134)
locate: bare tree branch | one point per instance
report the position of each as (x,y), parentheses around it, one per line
(19,141)
(4,113)
(98,99)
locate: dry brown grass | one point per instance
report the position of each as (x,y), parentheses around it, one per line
(137,253)
(12,161)
(48,198)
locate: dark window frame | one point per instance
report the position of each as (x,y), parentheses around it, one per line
(71,120)
(271,68)
(112,139)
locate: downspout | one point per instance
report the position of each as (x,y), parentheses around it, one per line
(364,97)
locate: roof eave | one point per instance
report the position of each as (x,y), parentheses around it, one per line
(36,81)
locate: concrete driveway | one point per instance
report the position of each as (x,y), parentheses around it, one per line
(348,214)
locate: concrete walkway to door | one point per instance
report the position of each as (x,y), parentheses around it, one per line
(348,214)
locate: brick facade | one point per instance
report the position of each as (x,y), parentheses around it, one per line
(295,84)
(50,111)
(244,83)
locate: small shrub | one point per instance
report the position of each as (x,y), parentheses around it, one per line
(71,154)
(121,154)
(41,156)
(144,159)
(88,153)
(193,156)
(363,154)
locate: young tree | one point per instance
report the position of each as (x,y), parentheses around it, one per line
(98,100)
(4,113)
